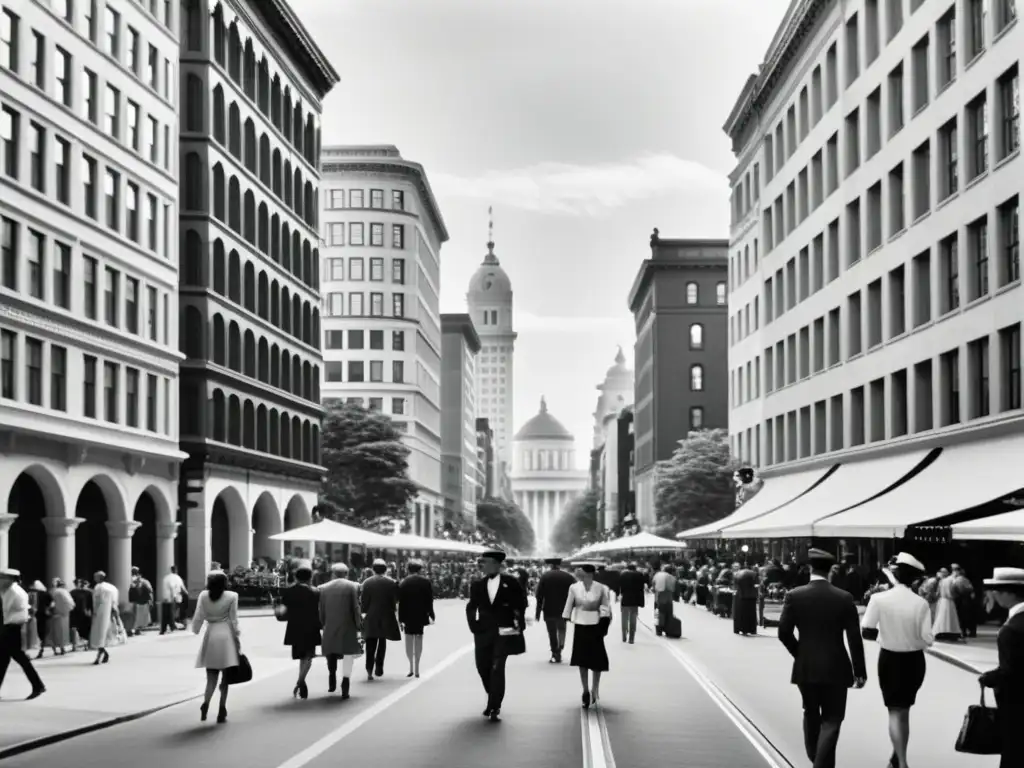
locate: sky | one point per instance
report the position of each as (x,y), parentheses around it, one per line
(585,124)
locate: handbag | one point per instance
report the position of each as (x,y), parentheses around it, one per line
(979,734)
(604,621)
(241,673)
(280,611)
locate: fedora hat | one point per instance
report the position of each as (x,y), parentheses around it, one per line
(10,573)
(1006,577)
(905,558)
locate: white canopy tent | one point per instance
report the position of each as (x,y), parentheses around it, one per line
(331,532)
(410,541)
(1008,526)
(641,541)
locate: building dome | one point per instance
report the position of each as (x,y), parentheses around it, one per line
(544,426)
(490,282)
(619,371)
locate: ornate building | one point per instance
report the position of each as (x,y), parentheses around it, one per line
(610,444)
(616,393)
(544,474)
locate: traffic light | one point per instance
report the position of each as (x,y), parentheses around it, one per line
(746,475)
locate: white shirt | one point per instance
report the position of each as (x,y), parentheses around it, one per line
(903,620)
(15,605)
(172,587)
(587,603)
(663,581)
(493,582)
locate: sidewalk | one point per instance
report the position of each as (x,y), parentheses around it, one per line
(149,673)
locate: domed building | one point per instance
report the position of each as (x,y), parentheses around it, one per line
(544,474)
(616,393)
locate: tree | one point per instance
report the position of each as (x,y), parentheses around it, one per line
(696,485)
(367,467)
(578,524)
(502,522)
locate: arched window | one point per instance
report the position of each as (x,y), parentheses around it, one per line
(234,347)
(696,417)
(235,278)
(234,420)
(251,147)
(192,333)
(218,192)
(234,205)
(194,182)
(720,293)
(191,25)
(696,378)
(696,336)
(219,355)
(218,267)
(692,293)
(193,104)
(218,114)
(193,258)
(217,415)
(235,131)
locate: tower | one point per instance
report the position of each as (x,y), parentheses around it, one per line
(489,300)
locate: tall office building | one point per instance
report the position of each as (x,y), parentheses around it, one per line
(876,299)
(251,88)
(88,278)
(460,346)
(489,299)
(383,233)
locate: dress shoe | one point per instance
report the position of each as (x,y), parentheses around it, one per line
(495,715)
(378,672)
(344,687)
(332,682)
(36,693)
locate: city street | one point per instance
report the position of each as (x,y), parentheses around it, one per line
(711,700)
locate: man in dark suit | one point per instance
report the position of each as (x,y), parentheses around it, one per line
(744,602)
(496,612)
(378,601)
(415,611)
(552,593)
(821,615)
(632,586)
(1007,586)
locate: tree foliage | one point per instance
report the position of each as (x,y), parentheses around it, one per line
(367,464)
(578,524)
(696,485)
(503,522)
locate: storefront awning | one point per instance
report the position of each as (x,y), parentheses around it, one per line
(961,478)
(1009,526)
(851,484)
(777,491)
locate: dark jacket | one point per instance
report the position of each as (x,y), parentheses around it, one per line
(508,610)
(378,600)
(302,612)
(632,588)
(552,592)
(1008,681)
(822,614)
(415,601)
(745,584)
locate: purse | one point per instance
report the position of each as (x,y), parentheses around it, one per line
(280,611)
(979,734)
(241,673)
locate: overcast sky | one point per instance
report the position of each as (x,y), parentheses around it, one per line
(585,123)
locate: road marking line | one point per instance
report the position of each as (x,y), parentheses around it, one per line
(772,756)
(314,751)
(597,748)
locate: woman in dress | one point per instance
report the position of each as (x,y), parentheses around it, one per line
(415,612)
(221,647)
(592,604)
(301,603)
(105,617)
(60,620)
(947,624)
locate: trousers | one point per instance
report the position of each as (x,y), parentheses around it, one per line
(556,634)
(10,650)
(347,662)
(629,618)
(824,712)
(490,665)
(376,650)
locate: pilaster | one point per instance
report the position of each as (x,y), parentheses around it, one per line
(6,521)
(166,533)
(60,547)
(120,560)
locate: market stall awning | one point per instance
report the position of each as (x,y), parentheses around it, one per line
(331,532)
(959,479)
(408,541)
(851,484)
(777,491)
(641,541)
(1008,526)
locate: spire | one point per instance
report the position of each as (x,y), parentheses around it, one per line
(620,358)
(543,404)
(490,258)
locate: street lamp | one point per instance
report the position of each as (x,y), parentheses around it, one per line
(744,549)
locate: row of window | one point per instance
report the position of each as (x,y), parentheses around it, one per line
(356,371)
(38,373)
(357,339)
(398,407)
(335,199)
(357,234)
(241,423)
(334,270)
(334,305)
(693,293)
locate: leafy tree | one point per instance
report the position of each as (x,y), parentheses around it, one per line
(502,522)
(696,485)
(578,524)
(367,464)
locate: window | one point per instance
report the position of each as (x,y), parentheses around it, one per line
(151,67)
(376,370)
(355,339)
(950,158)
(90,19)
(110,296)
(1009,106)
(131,397)
(36,261)
(151,222)
(110,373)
(37,65)
(152,128)
(377,235)
(334,305)
(1006,12)
(377,269)
(397,200)
(398,371)
(132,120)
(398,406)
(62,275)
(336,234)
(696,417)
(335,269)
(355,304)
(696,378)
(131,223)
(398,305)
(376,198)
(112,110)
(398,236)
(978,243)
(10,124)
(355,269)
(976,16)
(37,158)
(9,40)
(62,167)
(90,274)
(376,306)
(720,294)
(947,48)
(332,370)
(355,371)
(896,99)
(58,378)
(89,185)
(131,305)
(696,336)
(113,33)
(398,271)
(398,341)
(1009,224)
(112,193)
(692,293)
(89,100)
(977,127)
(1010,342)
(335,199)
(334,340)
(132,58)
(376,339)
(62,76)
(355,233)
(151,399)
(355,198)
(34,371)
(7,363)
(89,387)
(951,267)
(979,362)
(8,253)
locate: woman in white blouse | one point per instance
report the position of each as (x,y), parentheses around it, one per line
(218,608)
(593,611)
(902,622)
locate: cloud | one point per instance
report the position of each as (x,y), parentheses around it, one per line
(527,321)
(585,190)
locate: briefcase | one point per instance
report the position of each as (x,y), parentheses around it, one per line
(979,734)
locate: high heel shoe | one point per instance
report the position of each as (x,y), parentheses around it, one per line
(222,715)
(106,657)
(303,691)
(295,691)
(203,710)
(593,699)
(586,700)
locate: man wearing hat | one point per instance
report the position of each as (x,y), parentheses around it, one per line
(379,604)
(1007,588)
(632,587)
(15,610)
(815,619)
(496,612)
(552,593)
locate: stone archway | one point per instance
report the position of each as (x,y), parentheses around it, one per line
(34,497)
(267,520)
(230,535)
(92,539)
(144,540)
(297,515)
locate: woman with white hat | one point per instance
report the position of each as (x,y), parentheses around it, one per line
(902,623)
(1007,587)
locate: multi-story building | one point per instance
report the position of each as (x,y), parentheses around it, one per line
(251,86)
(617,391)
(876,302)
(679,304)
(383,233)
(460,345)
(484,460)
(88,278)
(489,299)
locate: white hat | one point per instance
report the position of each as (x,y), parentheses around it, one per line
(903,558)
(10,573)
(1006,577)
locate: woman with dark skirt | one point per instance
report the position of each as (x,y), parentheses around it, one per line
(301,603)
(415,612)
(589,607)
(901,620)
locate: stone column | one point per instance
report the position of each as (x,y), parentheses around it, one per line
(119,567)
(198,523)
(60,547)
(6,521)
(166,533)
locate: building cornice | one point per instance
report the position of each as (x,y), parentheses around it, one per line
(463,324)
(298,42)
(661,262)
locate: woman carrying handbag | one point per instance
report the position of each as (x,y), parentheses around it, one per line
(220,652)
(592,603)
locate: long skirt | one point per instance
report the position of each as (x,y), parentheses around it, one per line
(588,649)
(59,631)
(744,615)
